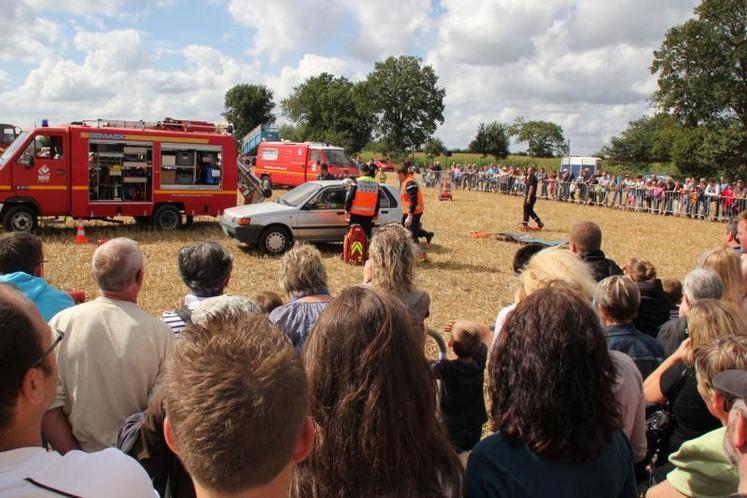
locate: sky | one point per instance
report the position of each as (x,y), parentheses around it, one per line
(583,64)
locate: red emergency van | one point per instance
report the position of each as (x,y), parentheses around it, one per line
(154,172)
(8,133)
(291,164)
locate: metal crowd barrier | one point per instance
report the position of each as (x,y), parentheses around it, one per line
(696,205)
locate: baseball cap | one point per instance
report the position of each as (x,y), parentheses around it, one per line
(733,382)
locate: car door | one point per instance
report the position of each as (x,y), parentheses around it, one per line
(389,210)
(323,216)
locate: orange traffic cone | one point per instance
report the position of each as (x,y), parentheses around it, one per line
(80,236)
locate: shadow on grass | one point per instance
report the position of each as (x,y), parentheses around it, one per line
(103,231)
(457,266)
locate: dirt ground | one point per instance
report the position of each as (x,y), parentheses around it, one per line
(466,277)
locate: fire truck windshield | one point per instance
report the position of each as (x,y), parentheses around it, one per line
(337,157)
(10,151)
(7,134)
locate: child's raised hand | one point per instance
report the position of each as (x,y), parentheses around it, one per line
(448,327)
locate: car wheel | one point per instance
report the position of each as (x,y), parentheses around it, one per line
(275,240)
(167,218)
(20,219)
(266,185)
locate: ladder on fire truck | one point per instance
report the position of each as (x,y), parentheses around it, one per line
(169,124)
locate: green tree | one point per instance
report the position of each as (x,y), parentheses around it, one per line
(434,147)
(543,138)
(702,70)
(406,99)
(248,106)
(645,140)
(492,139)
(330,109)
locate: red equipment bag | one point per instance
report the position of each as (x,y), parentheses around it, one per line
(355,247)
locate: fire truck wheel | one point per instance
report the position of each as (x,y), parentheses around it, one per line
(266,185)
(20,219)
(275,240)
(167,218)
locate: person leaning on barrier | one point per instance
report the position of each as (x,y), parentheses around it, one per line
(362,201)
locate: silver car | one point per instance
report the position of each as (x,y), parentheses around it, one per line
(313,211)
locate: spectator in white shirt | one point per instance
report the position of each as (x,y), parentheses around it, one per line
(27,387)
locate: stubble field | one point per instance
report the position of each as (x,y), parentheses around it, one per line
(467,278)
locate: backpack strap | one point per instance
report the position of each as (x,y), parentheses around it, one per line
(185,314)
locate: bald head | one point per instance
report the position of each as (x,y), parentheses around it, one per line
(585,236)
(117,264)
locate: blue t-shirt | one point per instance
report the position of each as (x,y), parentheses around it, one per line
(496,469)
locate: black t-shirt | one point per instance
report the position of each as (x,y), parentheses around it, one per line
(462,398)
(531,182)
(692,418)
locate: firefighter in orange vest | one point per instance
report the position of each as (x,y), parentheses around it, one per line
(411,198)
(362,201)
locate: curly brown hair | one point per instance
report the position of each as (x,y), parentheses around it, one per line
(373,398)
(551,377)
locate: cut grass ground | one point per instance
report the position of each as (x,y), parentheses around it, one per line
(466,277)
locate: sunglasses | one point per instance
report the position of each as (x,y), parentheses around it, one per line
(59,336)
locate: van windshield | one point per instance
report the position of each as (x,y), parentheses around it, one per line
(10,151)
(299,194)
(337,157)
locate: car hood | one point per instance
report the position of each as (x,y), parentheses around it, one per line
(254,210)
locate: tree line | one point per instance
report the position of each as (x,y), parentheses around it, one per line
(699,122)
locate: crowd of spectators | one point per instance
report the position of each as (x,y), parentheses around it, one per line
(602,380)
(703,198)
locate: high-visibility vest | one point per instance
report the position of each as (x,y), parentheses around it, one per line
(405,197)
(366,196)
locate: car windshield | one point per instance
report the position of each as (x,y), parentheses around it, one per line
(10,151)
(299,194)
(337,157)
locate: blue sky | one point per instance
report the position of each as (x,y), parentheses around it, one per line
(580,63)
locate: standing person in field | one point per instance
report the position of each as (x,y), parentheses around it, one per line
(530,198)
(412,203)
(362,201)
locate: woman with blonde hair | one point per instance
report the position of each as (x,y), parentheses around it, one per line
(725,261)
(391,269)
(675,381)
(653,312)
(303,277)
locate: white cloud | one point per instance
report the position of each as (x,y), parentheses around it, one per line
(116,80)
(388,27)
(25,36)
(281,26)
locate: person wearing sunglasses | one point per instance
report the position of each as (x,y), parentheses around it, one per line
(27,388)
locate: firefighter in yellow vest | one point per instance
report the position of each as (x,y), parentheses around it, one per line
(411,198)
(362,201)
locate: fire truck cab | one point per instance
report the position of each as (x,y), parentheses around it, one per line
(154,172)
(291,164)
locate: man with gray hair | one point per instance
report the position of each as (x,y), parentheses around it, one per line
(114,356)
(701,283)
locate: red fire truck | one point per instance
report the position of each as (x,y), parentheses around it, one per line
(8,133)
(154,172)
(291,164)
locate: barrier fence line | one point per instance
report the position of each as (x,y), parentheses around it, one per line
(686,203)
